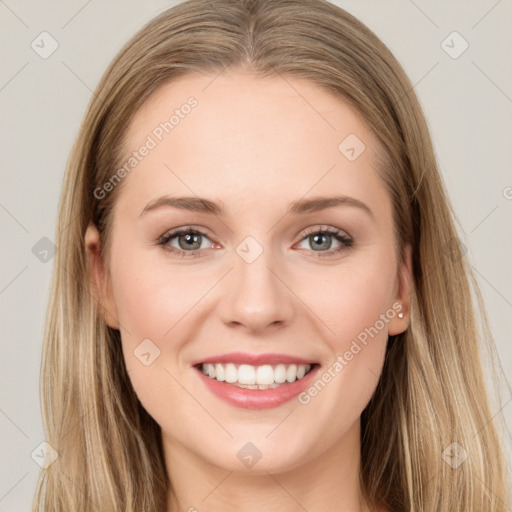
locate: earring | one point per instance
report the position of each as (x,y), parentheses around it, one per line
(400,315)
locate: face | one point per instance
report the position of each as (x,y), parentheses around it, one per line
(262,277)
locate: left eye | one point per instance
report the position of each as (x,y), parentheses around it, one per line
(320,240)
(188,240)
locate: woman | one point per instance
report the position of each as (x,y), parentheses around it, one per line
(259,298)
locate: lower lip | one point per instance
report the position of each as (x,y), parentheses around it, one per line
(258,398)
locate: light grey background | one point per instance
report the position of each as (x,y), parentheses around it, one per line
(467,101)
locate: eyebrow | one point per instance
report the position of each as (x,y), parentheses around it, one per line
(302,206)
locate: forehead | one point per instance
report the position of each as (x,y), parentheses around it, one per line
(246,139)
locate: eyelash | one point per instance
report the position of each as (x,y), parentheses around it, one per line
(346,242)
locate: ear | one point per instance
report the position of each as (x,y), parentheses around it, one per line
(100,284)
(402,302)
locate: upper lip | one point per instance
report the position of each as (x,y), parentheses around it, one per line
(254,359)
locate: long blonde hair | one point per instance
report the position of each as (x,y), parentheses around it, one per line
(432,392)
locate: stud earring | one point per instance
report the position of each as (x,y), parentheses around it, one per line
(400,315)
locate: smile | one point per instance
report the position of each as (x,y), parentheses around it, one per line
(255,377)
(256,381)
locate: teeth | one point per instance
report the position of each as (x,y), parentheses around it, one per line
(247,375)
(291,373)
(255,377)
(230,373)
(219,372)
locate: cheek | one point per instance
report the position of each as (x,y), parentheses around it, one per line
(150,310)
(354,307)
(151,301)
(352,300)
(148,313)
(145,308)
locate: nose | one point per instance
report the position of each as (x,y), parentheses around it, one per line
(256,297)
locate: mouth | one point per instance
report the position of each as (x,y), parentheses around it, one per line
(260,377)
(256,382)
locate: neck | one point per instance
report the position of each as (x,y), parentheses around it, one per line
(330,482)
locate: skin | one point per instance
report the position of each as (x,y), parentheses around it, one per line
(254,145)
